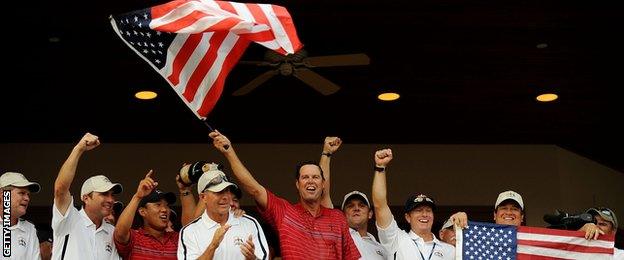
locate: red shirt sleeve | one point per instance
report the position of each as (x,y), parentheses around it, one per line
(274,212)
(124,250)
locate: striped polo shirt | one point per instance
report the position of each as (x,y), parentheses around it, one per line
(303,236)
(143,246)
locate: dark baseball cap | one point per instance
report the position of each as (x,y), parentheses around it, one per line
(157,195)
(417,200)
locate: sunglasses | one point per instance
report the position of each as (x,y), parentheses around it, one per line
(421,198)
(216,181)
(606,211)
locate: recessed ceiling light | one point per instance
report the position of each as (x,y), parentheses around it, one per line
(388,96)
(146,94)
(547,97)
(542,46)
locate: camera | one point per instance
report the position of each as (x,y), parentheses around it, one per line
(563,220)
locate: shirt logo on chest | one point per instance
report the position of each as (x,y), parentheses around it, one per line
(21,241)
(438,254)
(238,241)
(109,248)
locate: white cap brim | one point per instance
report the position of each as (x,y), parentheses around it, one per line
(221,186)
(32,186)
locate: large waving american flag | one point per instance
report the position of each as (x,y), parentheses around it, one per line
(491,241)
(195,44)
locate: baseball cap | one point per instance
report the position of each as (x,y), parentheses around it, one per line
(606,213)
(416,200)
(509,195)
(99,183)
(447,224)
(156,195)
(353,194)
(213,180)
(17,179)
(118,207)
(238,193)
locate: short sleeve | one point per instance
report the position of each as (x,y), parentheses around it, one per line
(61,224)
(389,236)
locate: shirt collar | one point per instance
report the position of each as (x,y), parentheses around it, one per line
(86,221)
(167,235)
(20,225)
(417,238)
(322,211)
(211,223)
(368,235)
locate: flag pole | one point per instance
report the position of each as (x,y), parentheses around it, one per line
(210,129)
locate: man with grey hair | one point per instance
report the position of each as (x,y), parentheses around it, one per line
(218,234)
(83,234)
(24,241)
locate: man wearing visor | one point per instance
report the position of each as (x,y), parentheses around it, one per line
(24,241)
(218,234)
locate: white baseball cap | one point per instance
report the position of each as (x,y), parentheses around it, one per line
(509,195)
(99,183)
(213,180)
(349,195)
(17,179)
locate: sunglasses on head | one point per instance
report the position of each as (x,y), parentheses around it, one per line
(421,198)
(216,181)
(606,211)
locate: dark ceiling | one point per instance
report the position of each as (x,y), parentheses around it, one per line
(467,72)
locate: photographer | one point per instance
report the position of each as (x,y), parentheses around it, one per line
(606,224)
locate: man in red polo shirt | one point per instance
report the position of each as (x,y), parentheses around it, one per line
(306,230)
(151,241)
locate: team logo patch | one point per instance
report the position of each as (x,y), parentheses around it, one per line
(109,248)
(438,253)
(238,241)
(21,242)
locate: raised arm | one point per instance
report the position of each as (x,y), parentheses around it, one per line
(124,223)
(63,182)
(246,180)
(380,200)
(187,201)
(330,146)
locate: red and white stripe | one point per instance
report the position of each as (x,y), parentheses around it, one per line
(543,243)
(211,38)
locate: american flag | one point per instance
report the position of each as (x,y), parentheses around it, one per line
(504,242)
(195,44)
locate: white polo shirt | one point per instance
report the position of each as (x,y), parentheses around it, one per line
(24,241)
(618,254)
(402,245)
(368,246)
(75,236)
(197,235)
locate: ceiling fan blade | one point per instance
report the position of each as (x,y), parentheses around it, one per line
(337,60)
(255,83)
(257,63)
(316,81)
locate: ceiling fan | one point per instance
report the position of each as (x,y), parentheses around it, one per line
(298,65)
